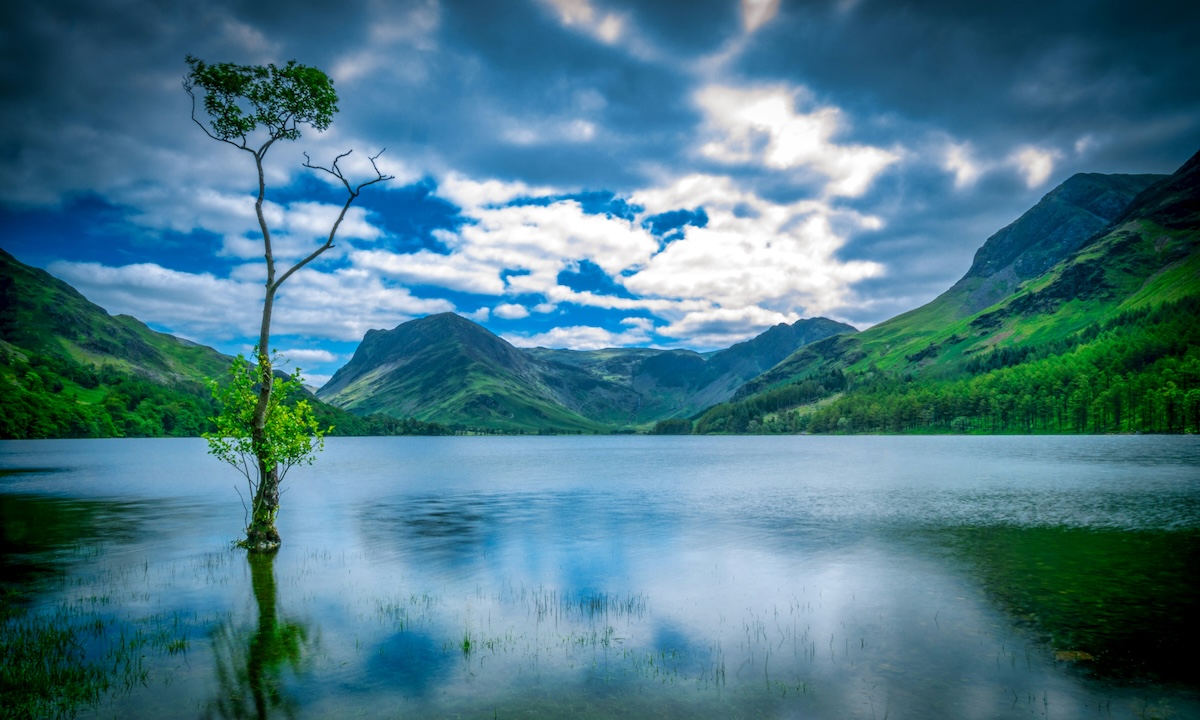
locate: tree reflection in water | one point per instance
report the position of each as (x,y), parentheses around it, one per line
(251,663)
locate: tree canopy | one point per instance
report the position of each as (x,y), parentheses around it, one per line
(240,99)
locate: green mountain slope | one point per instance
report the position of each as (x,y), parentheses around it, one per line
(680,383)
(448,369)
(42,314)
(69,369)
(1094,282)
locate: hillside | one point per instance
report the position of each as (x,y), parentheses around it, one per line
(69,369)
(1048,286)
(680,383)
(447,369)
(45,315)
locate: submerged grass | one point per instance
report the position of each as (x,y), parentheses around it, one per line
(1122,603)
(73,656)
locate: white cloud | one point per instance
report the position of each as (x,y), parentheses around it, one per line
(308,355)
(722,327)
(457,271)
(752,252)
(314,379)
(471,194)
(516,249)
(296,229)
(393,28)
(959,161)
(521,131)
(344,304)
(510,311)
(583,16)
(583,337)
(1035,164)
(756,263)
(196,305)
(480,316)
(340,305)
(762,126)
(756,13)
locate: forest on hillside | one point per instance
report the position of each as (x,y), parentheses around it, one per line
(1138,372)
(50,396)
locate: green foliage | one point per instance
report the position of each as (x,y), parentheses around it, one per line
(1138,372)
(48,396)
(292,434)
(673,426)
(737,417)
(241,98)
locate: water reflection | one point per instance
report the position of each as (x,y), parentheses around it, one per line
(42,537)
(253,664)
(606,577)
(1124,605)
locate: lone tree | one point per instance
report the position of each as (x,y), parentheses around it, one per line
(251,107)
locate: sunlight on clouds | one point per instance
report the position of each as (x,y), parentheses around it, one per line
(314,220)
(761,125)
(1035,164)
(756,13)
(958,161)
(580,14)
(296,230)
(775,253)
(517,249)
(457,271)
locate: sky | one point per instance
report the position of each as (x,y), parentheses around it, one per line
(572,173)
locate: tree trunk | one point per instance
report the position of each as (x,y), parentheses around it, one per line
(262,535)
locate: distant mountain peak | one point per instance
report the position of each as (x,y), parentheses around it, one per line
(1062,220)
(1173,201)
(447,368)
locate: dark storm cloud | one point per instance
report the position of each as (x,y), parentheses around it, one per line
(541,93)
(509,92)
(1000,73)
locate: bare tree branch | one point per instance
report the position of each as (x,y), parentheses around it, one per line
(353,192)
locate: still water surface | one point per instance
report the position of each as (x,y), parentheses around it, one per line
(856,577)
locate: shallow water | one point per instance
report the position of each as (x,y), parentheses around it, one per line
(865,577)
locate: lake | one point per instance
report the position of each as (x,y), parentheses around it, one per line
(624,576)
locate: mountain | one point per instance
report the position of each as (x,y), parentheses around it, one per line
(680,383)
(69,369)
(1058,225)
(447,369)
(43,314)
(1101,262)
